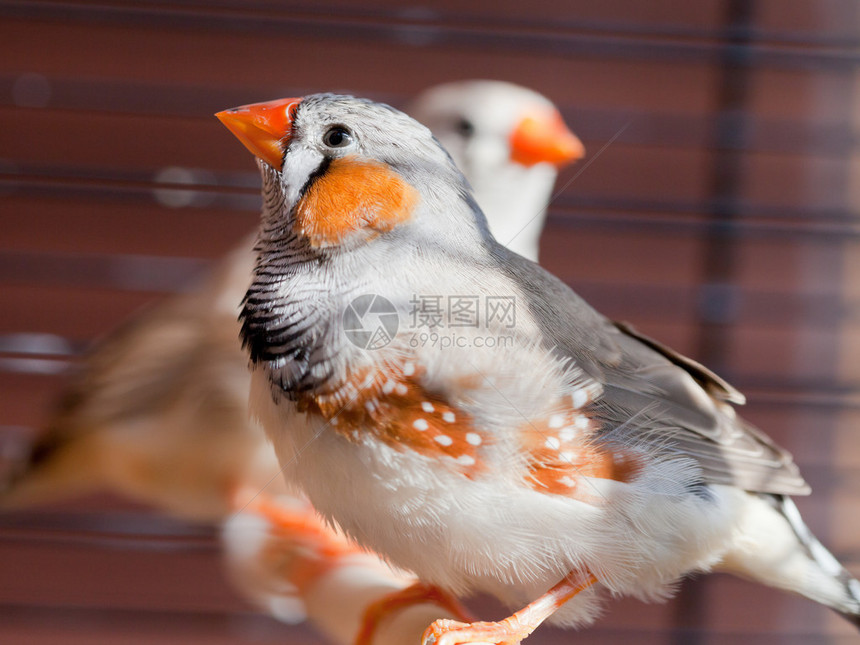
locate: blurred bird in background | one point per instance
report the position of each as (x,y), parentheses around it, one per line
(509,142)
(158,411)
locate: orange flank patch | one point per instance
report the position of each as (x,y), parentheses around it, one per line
(393,407)
(561,453)
(353,195)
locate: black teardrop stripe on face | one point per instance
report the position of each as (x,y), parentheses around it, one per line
(321,170)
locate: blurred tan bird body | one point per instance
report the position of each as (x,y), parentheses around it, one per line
(158,411)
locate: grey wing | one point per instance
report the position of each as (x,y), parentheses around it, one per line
(656,396)
(713,384)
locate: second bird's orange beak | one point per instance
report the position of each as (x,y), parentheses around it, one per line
(543,137)
(263,128)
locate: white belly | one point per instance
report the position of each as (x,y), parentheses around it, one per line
(494,534)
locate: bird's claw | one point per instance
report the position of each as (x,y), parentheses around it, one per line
(452,632)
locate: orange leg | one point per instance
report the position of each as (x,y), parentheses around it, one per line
(512,629)
(416,594)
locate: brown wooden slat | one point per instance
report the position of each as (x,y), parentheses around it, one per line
(72,313)
(96,226)
(258,62)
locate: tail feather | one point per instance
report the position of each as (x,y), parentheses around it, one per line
(54,464)
(775,547)
(848,605)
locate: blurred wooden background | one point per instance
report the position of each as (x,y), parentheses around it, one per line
(723,218)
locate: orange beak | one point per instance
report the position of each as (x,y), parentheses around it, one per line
(543,137)
(263,128)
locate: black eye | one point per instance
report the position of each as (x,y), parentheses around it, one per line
(337,137)
(465,128)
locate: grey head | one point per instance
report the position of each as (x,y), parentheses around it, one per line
(333,137)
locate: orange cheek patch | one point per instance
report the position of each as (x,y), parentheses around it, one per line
(394,408)
(560,455)
(352,195)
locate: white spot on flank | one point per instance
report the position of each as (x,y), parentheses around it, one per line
(388,387)
(443,440)
(473,438)
(401,389)
(409,369)
(420,424)
(568,456)
(370,405)
(427,406)
(448,417)
(556,421)
(581,422)
(567,481)
(579,398)
(466,460)
(567,434)
(334,421)
(553,443)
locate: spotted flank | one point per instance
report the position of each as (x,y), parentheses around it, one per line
(560,453)
(392,406)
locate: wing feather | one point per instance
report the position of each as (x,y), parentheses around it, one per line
(687,407)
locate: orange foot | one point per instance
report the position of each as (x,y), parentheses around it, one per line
(417,594)
(512,629)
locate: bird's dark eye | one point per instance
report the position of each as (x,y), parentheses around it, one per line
(337,137)
(465,128)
